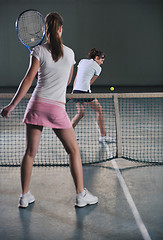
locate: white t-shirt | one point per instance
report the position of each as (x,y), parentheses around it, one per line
(52,76)
(87,68)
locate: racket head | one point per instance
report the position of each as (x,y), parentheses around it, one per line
(30,28)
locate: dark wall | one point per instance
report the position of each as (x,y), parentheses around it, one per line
(130,32)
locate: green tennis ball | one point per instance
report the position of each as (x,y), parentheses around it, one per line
(111,88)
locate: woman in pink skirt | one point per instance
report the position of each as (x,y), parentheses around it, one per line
(54,63)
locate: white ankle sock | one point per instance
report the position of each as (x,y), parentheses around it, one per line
(25,194)
(82,194)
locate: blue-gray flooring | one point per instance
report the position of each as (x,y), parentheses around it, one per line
(53,215)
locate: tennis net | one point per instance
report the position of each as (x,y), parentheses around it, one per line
(135,121)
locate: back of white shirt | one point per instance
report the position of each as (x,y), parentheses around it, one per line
(87,68)
(52,76)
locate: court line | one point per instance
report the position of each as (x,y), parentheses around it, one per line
(131,203)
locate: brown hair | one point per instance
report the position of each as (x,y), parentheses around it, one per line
(53,22)
(94,53)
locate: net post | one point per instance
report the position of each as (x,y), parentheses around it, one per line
(118,127)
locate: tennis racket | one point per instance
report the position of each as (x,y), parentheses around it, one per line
(30,28)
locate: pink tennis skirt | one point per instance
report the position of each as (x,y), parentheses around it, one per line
(47,114)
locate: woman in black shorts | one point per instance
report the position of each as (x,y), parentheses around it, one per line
(88,71)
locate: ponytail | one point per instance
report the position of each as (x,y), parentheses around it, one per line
(93,53)
(53,22)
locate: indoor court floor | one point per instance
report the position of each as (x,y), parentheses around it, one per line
(130,193)
(130,203)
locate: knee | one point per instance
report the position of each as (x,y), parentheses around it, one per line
(74,150)
(99,110)
(81,113)
(30,153)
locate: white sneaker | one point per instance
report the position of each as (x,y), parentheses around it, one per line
(85,198)
(106,139)
(25,200)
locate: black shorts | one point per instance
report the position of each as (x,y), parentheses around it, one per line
(82,100)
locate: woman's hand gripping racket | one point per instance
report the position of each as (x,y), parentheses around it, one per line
(30,28)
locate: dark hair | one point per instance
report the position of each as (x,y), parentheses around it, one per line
(94,53)
(53,22)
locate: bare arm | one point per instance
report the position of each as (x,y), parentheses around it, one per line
(93,79)
(23,87)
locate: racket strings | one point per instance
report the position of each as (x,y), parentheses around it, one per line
(31,28)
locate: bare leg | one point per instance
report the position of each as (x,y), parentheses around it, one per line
(95,105)
(33,135)
(79,115)
(68,138)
